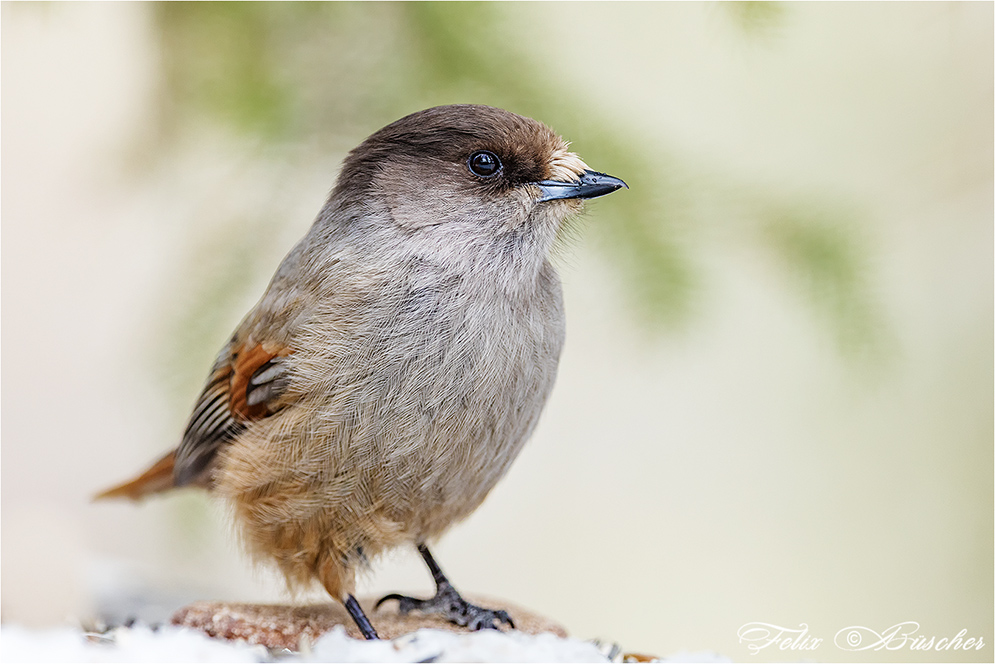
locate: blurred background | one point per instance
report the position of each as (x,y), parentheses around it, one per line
(776,399)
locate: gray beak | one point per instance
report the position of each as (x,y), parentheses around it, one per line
(590,185)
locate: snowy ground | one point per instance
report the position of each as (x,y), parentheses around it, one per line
(174,644)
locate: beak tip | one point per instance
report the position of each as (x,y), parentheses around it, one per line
(591,184)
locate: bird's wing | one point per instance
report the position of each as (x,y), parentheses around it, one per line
(245,384)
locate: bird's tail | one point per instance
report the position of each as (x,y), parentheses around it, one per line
(156,479)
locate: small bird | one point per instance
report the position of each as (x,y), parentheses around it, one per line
(399,358)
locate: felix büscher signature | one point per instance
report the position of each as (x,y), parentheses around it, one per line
(759,635)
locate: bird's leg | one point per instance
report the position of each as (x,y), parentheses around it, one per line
(448,603)
(356,611)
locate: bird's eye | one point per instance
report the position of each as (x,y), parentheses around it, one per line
(484,163)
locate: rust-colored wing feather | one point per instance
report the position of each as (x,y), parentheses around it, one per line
(246,383)
(157,478)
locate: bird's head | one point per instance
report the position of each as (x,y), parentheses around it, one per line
(468,171)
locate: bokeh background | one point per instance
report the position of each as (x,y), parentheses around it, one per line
(776,399)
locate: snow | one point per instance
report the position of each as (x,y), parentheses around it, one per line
(176,644)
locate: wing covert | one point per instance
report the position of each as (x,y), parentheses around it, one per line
(245,384)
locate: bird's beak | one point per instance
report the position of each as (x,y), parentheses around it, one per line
(590,185)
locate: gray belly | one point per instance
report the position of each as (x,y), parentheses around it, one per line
(428,397)
(451,408)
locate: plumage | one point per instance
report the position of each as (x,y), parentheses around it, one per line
(402,353)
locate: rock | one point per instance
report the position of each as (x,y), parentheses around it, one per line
(284,626)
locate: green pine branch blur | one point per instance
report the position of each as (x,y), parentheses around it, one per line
(331,73)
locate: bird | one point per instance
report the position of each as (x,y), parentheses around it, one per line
(399,358)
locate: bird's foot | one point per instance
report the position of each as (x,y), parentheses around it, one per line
(450,604)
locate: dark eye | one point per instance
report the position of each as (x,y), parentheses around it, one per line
(484,163)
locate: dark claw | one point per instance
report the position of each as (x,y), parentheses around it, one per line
(386,598)
(404,603)
(450,604)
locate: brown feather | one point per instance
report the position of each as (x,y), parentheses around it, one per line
(245,362)
(156,479)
